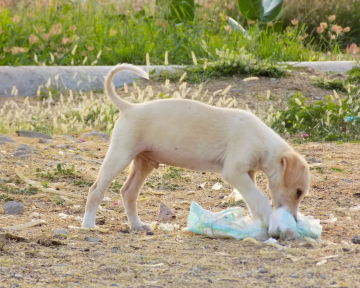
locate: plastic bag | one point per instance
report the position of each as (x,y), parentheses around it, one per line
(231,223)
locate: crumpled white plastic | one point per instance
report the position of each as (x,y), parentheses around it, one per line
(231,223)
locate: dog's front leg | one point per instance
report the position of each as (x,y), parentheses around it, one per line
(256,201)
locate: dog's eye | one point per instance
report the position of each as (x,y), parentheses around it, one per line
(298,193)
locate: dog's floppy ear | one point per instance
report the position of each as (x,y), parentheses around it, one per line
(293,168)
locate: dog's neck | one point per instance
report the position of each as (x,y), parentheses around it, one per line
(272,154)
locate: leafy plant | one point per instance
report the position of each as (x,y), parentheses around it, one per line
(172,173)
(226,62)
(25,191)
(319,121)
(61,169)
(331,84)
(182,10)
(263,10)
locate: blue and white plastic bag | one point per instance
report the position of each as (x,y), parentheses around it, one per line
(231,223)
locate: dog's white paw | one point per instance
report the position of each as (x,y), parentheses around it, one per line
(142,227)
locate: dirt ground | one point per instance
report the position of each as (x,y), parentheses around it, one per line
(124,258)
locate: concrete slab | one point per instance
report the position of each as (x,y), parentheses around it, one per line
(28,79)
(330,66)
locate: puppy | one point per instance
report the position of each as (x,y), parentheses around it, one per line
(199,137)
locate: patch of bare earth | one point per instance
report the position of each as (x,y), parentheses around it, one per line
(175,259)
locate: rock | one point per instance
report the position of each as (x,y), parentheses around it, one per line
(95,161)
(262,271)
(13,208)
(4,139)
(165,213)
(61,231)
(356,239)
(23,151)
(33,134)
(41,140)
(78,157)
(18,275)
(92,239)
(64,146)
(72,138)
(314,160)
(97,134)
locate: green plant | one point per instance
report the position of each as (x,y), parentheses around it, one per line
(331,84)
(61,169)
(47,175)
(263,10)
(17,191)
(173,173)
(319,121)
(226,62)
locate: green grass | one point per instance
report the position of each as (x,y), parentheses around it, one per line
(333,84)
(320,121)
(96,35)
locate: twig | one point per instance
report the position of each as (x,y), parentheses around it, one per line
(24,226)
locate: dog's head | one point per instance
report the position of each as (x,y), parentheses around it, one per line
(290,183)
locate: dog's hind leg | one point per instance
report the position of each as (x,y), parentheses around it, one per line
(113,164)
(140,169)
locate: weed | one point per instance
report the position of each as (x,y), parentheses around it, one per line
(337,169)
(172,173)
(321,121)
(25,191)
(75,33)
(83,183)
(62,170)
(234,203)
(48,175)
(6,198)
(116,186)
(333,84)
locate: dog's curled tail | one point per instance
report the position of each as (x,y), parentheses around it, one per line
(109,87)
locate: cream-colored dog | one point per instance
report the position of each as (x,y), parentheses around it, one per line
(199,137)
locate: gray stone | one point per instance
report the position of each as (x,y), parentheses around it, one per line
(64,146)
(70,137)
(92,239)
(42,140)
(95,161)
(13,208)
(314,160)
(97,134)
(356,239)
(23,151)
(6,139)
(165,213)
(61,231)
(33,134)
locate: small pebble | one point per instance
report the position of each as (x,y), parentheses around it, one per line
(356,239)
(61,231)
(13,208)
(92,239)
